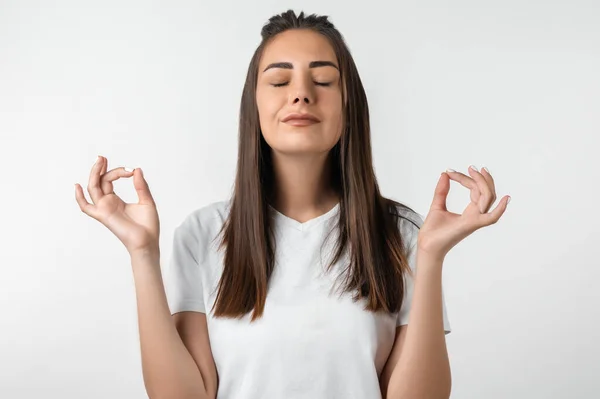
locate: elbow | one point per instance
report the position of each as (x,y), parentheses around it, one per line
(180,395)
(439,389)
(444,392)
(421,395)
(444,387)
(447,385)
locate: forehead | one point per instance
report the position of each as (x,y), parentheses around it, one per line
(299,47)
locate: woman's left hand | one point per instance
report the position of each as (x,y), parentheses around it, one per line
(442,229)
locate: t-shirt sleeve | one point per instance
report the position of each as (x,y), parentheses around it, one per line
(410,229)
(183,280)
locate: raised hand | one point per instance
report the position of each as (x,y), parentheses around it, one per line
(442,230)
(136,225)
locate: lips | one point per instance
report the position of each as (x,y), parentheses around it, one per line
(300,122)
(300,118)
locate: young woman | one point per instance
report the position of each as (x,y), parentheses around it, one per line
(302,283)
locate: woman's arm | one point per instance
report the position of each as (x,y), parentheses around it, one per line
(418,364)
(169,370)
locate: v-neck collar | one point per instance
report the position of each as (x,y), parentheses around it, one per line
(282,219)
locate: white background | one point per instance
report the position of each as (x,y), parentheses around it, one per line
(512,85)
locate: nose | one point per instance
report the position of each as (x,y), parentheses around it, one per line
(301,93)
(304,99)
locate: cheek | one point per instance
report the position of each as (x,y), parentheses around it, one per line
(268,106)
(332,100)
(267,115)
(334,112)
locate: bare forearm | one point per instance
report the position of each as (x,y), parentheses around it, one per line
(168,368)
(423,370)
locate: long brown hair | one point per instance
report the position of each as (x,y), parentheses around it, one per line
(368,222)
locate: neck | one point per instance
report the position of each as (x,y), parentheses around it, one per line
(303,187)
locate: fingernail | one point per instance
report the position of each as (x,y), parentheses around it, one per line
(450,170)
(508,201)
(97,160)
(128,169)
(474,168)
(487,170)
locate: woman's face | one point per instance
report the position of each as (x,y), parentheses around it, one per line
(299,73)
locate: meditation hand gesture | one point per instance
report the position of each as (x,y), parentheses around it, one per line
(442,229)
(136,225)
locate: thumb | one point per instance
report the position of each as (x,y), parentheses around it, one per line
(141,187)
(441,193)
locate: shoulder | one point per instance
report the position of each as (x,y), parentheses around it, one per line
(198,231)
(209,216)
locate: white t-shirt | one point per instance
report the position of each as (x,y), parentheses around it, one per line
(308,344)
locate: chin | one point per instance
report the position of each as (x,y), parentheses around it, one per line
(300,147)
(300,141)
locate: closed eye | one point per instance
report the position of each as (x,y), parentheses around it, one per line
(317,83)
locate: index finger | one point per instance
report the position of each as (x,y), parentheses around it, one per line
(94,182)
(489,179)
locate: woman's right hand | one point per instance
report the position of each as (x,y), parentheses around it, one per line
(136,225)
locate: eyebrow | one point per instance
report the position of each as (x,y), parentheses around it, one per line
(289,65)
